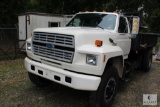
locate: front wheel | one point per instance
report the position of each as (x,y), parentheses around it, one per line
(38,81)
(106,92)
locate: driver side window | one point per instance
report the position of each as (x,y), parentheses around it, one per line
(123,26)
(76,22)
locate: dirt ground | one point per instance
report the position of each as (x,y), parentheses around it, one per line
(16,90)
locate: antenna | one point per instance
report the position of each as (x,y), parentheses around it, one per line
(62,7)
(62,19)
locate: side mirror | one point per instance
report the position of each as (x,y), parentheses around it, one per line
(135,25)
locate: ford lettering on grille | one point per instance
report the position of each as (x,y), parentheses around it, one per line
(49,46)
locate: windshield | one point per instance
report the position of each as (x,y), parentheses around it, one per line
(105,21)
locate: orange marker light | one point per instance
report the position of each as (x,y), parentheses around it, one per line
(98,43)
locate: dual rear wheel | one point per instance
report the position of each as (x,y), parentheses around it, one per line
(147,60)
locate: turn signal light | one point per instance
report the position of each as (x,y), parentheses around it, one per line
(98,43)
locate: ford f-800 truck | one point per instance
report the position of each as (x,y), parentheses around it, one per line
(93,52)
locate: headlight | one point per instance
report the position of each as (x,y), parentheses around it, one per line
(91,59)
(28,46)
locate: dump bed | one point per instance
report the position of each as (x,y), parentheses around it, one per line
(144,40)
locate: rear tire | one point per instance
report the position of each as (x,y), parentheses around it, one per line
(147,60)
(104,96)
(38,81)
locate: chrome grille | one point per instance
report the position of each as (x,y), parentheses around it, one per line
(54,46)
(56,39)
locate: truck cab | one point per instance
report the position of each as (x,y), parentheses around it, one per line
(116,24)
(89,53)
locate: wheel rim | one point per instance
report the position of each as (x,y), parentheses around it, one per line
(110,89)
(150,62)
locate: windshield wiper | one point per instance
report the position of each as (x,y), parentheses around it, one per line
(94,26)
(100,27)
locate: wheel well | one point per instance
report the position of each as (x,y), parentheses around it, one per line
(117,62)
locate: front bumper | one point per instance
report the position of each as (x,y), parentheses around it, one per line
(64,77)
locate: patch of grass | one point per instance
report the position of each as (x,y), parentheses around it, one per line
(11,56)
(16,90)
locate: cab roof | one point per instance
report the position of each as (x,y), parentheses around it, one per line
(99,13)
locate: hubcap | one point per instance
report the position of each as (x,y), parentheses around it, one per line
(110,89)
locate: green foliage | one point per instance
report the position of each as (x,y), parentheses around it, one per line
(10,9)
(158,42)
(152,8)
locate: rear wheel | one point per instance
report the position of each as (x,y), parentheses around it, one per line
(147,60)
(38,81)
(106,92)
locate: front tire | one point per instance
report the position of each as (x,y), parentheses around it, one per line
(38,81)
(107,89)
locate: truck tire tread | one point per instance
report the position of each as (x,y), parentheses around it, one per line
(97,97)
(147,60)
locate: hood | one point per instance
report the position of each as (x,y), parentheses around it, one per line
(69,30)
(82,35)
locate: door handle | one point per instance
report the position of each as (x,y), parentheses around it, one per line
(122,34)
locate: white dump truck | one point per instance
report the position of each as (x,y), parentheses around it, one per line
(93,52)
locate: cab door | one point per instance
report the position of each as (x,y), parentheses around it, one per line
(123,39)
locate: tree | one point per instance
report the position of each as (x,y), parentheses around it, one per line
(10,9)
(152,8)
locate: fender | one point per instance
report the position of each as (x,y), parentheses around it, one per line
(106,50)
(114,56)
(112,51)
